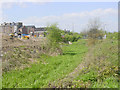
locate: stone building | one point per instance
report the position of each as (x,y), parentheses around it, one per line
(13,27)
(8,28)
(27,30)
(40,31)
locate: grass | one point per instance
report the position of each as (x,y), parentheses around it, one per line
(101,68)
(102,71)
(47,70)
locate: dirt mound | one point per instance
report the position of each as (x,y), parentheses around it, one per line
(8,41)
(22,52)
(17,52)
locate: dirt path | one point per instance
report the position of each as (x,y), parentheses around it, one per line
(85,63)
(89,56)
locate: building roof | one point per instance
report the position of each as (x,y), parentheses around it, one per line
(31,26)
(11,23)
(40,29)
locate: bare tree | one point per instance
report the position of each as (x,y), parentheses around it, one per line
(94,28)
(94,31)
(94,23)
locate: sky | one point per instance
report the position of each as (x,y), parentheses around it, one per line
(73,16)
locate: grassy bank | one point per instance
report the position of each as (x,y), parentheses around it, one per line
(101,68)
(80,66)
(47,70)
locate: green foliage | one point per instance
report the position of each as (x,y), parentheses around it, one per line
(113,36)
(94,31)
(102,70)
(54,34)
(70,36)
(48,69)
(95,34)
(45,34)
(73,38)
(54,39)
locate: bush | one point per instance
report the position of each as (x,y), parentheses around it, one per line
(112,35)
(54,38)
(72,38)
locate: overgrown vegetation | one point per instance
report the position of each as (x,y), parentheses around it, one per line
(69,36)
(102,69)
(54,38)
(98,70)
(113,35)
(47,70)
(18,54)
(86,63)
(94,31)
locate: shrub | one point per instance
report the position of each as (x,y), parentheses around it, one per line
(72,38)
(54,34)
(113,36)
(54,38)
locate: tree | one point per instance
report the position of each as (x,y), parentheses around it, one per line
(94,31)
(54,37)
(54,34)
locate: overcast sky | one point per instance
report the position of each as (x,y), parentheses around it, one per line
(68,15)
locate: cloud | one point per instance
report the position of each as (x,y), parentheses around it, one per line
(7,4)
(22,3)
(77,21)
(74,20)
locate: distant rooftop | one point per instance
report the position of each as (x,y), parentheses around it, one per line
(11,23)
(40,29)
(30,26)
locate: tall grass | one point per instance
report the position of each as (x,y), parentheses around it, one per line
(48,69)
(102,68)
